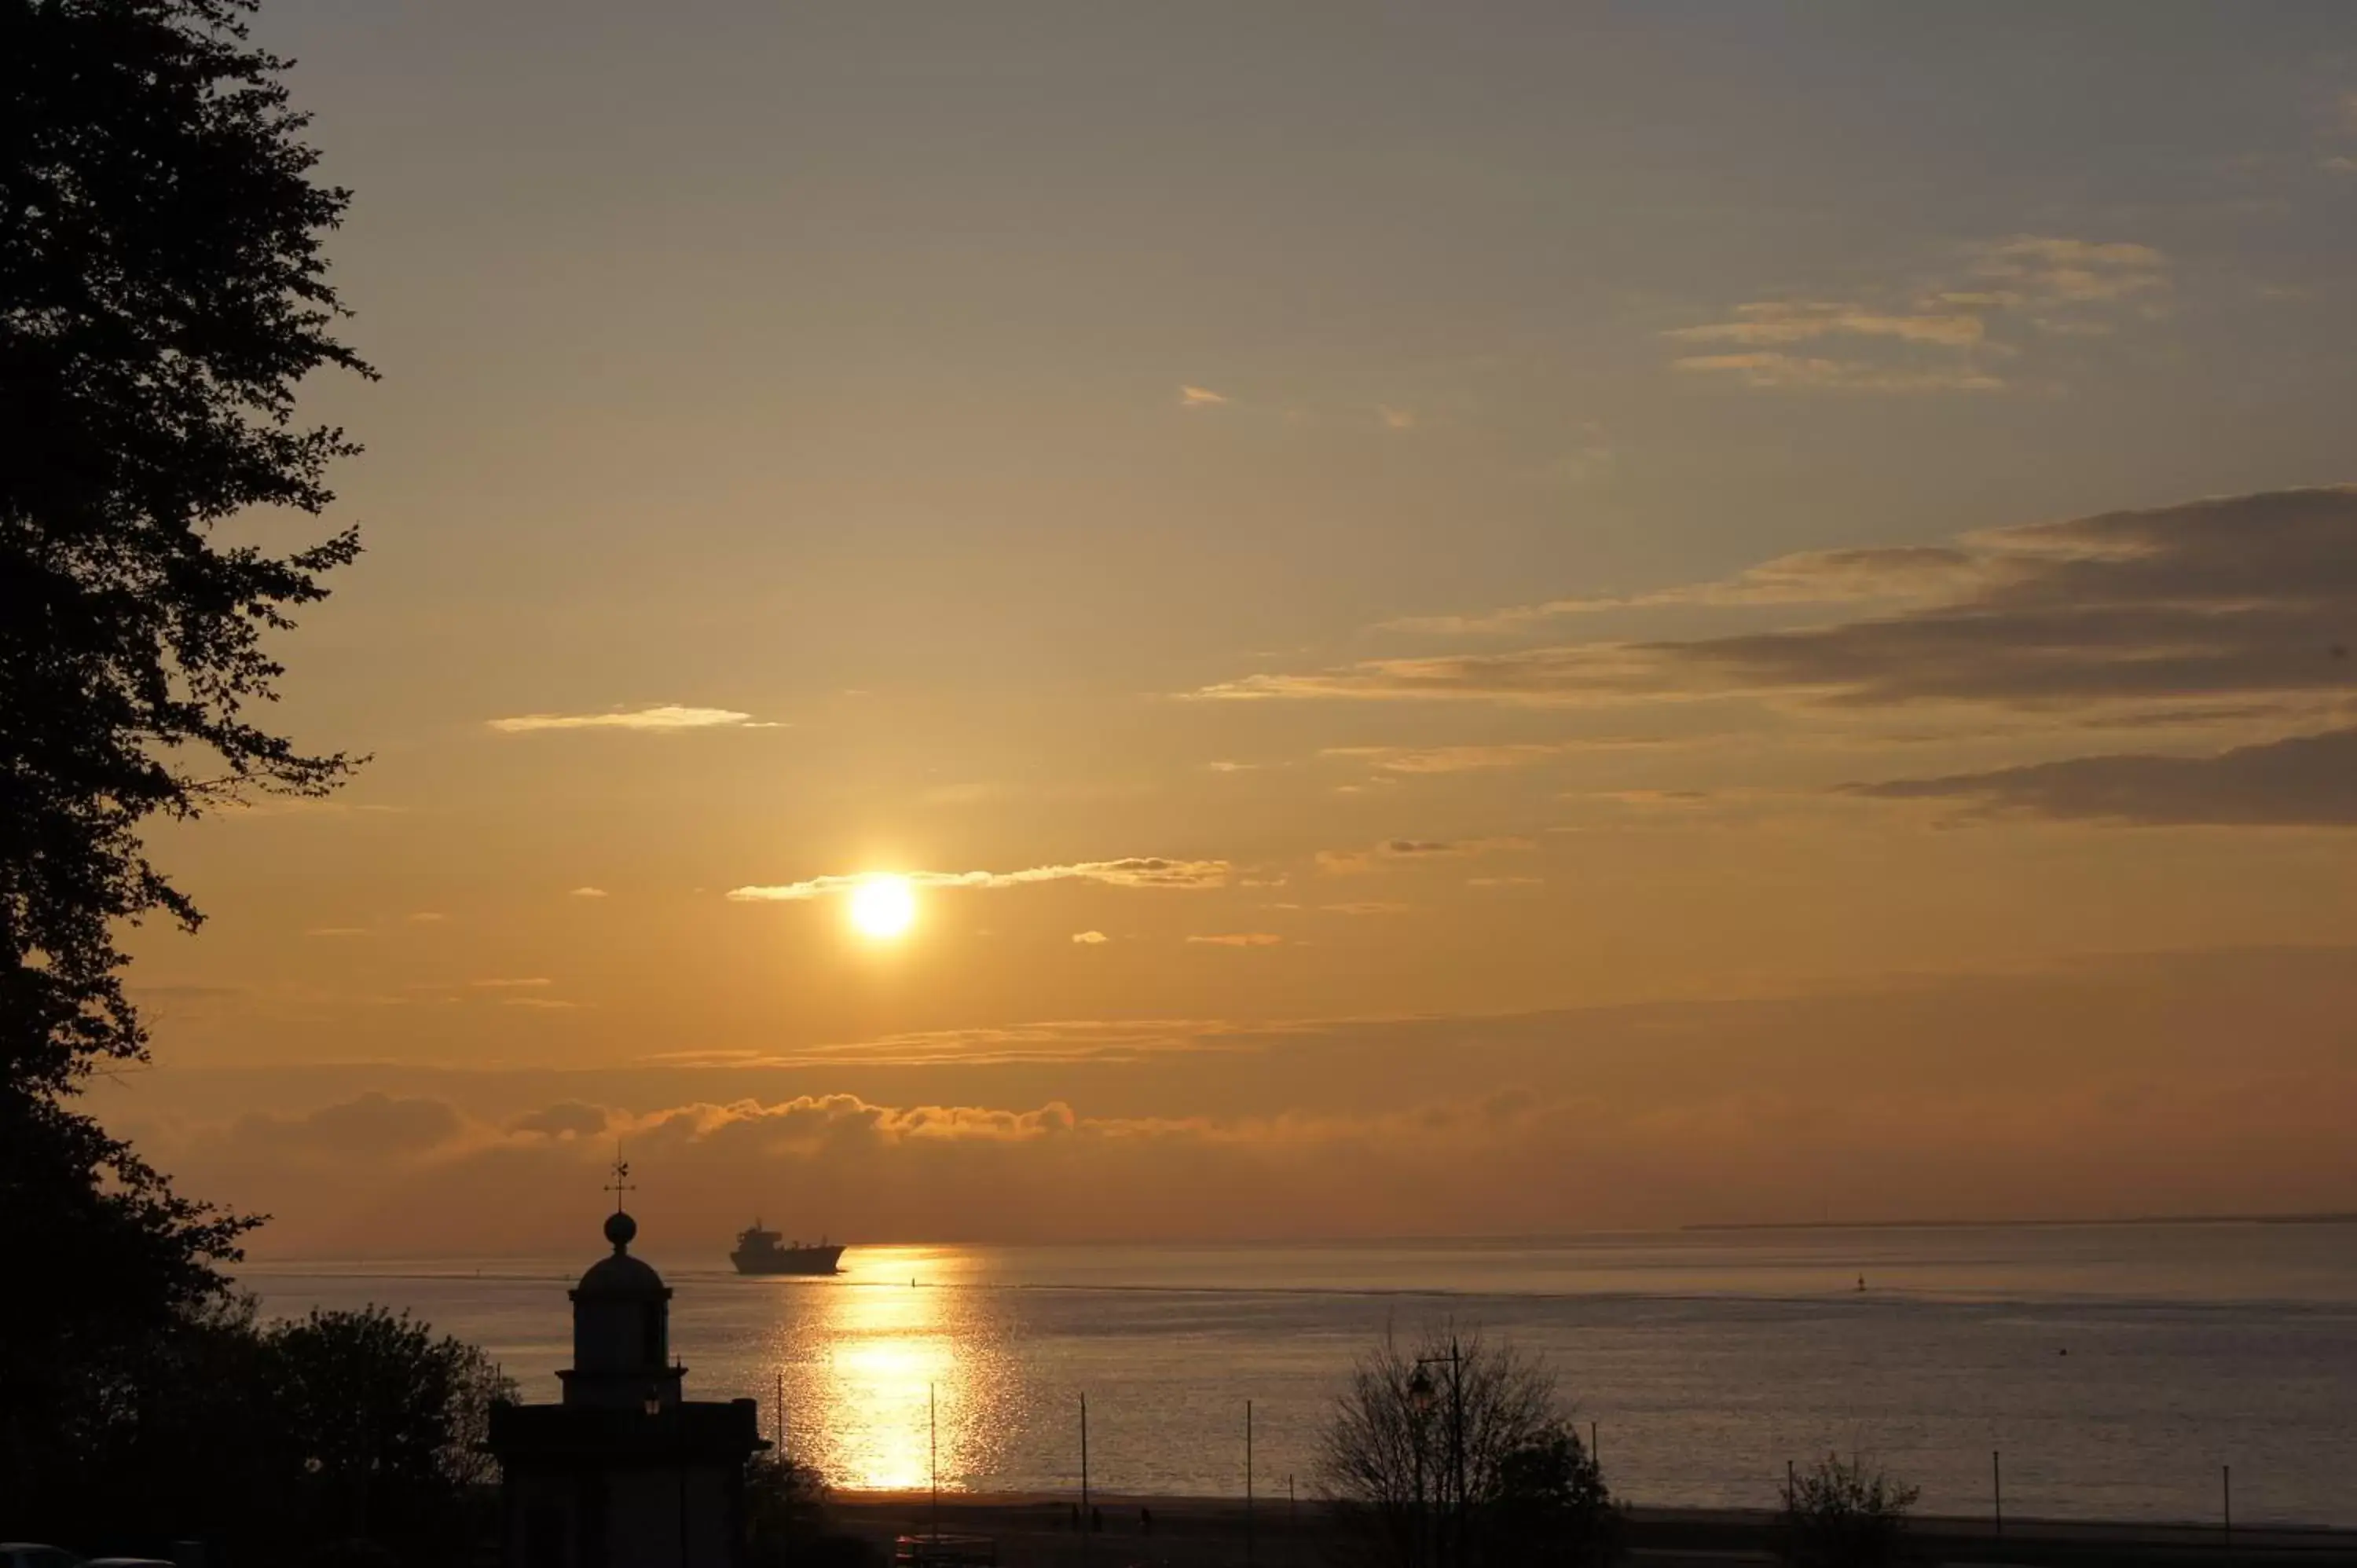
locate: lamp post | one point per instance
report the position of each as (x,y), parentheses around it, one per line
(1421,1393)
(1419,1399)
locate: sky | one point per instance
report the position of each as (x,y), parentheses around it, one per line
(1483,619)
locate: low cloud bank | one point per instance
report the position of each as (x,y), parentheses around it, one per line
(2186,1082)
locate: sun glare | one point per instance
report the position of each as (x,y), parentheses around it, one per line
(883,907)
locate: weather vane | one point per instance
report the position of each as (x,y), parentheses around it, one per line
(621,1182)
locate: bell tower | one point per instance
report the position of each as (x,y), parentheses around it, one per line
(621,1331)
(625,1472)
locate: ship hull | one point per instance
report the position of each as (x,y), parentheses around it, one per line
(788,1260)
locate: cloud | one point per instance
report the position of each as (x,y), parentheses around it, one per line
(1239,939)
(531,983)
(540,1004)
(1770,370)
(2239,599)
(373,1125)
(1406,849)
(427,918)
(2089,1089)
(663,719)
(1367,906)
(337,931)
(1396,418)
(1099,1040)
(586,892)
(1930,573)
(1451,759)
(1199,397)
(2006,296)
(566,1119)
(1091,939)
(2043,269)
(1139,870)
(1777,322)
(2304,782)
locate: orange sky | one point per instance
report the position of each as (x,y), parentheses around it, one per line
(1474,623)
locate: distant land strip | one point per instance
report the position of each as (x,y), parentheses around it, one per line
(2325,1218)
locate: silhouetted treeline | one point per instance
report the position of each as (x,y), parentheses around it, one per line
(163,294)
(271,1442)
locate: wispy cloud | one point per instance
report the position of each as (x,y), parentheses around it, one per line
(665,719)
(1134,872)
(532,982)
(1396,418)
(1777,322)
(586,892)
(1239,939)
(1948,336)
(1091,939)
(1057,1040)
(2042,271)
(1452,759)
(337,931)
(2302,781)
(427,918)
(1199,397)
(2235,600)
(1405,849)
(1773,370)
(1859,574)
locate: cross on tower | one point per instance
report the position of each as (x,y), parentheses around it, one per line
(621,1182)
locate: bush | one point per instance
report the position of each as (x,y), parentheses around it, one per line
(786,1522)
(1551,1509)
(1839,1515)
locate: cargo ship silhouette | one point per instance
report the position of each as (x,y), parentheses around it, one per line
(758,1252)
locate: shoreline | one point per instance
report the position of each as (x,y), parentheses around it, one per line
(1038,1527)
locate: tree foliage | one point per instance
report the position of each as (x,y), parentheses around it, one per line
(162,294)
(1452,1451)
(380,1410)
(270,1439)
(1552,1509)
(1842,1515)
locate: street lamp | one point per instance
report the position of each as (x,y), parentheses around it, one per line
(1419,1401)
(1421,1393)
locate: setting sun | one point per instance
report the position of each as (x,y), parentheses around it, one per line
(883,907)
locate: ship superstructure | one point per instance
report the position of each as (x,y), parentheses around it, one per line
(759,1252)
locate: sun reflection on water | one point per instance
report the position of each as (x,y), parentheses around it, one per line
(890,1377)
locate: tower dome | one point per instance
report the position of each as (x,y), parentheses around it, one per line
(621,1274)
(622,1330)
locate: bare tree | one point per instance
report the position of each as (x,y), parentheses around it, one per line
(1840,1515)
(1431,1450)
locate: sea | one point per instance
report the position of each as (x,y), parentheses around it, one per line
(2163,1372)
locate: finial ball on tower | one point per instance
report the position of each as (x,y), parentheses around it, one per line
(621,1229)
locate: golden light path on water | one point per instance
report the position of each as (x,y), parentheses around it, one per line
(889,1376)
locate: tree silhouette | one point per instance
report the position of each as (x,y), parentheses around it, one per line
(162,294)
(1452,1452)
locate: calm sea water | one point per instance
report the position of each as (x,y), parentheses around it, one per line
(2117,1368)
